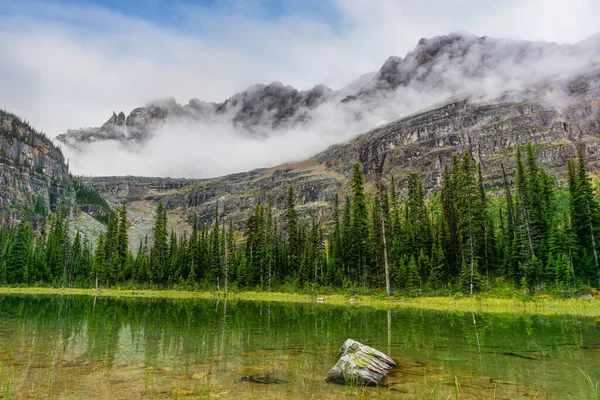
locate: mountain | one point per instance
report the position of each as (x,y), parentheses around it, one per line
(423,142)
(557,109)
(257,109)
(32,169)
(455,65)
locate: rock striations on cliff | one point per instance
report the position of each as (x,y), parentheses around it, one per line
(423,143)
(32,169)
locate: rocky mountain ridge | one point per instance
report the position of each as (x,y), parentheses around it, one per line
(256,110)
(424,142)
(458,64)
(558,112)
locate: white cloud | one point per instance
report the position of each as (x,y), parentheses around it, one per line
(68,67)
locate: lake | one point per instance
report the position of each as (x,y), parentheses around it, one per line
(73,347)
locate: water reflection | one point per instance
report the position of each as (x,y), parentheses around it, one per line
(65,347)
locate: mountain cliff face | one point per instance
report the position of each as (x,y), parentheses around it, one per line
(236,194)
(32,169)
(458,64)
(516,102)
(558,118)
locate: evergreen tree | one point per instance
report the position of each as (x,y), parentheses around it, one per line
(122,242)
(451,241)
(336,251)
(510,254)
(294,243)
(469,213)
(359,257)
(347,242)
(269,245)
(19,256)
(99,264)
(419,235)
(190,272)
(255,247)
(585,213)
(142,262)
(76,259)
(215,271)
(159,253)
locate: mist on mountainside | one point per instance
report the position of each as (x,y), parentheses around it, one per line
(244,134)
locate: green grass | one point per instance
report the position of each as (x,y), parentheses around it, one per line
(477,304)
(593,386)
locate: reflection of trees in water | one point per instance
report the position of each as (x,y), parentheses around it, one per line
(188,331)
(52,322)
(105,321)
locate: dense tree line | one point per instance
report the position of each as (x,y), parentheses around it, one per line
(459,239)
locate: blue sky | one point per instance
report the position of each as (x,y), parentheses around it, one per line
(164,11)
(175,14)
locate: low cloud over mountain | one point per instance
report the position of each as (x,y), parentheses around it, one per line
(274,123)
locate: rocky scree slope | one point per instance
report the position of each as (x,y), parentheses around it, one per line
(236,195)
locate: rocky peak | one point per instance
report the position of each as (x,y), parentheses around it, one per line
(115,120)
(386,76)
(260,106)
(273,105)
(450,61)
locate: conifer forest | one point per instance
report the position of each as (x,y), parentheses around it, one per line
(533,232)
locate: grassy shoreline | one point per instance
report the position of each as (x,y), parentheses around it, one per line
(480,305)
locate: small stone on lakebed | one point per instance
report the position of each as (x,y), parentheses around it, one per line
(360,364)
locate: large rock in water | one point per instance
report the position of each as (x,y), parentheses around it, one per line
(360,364)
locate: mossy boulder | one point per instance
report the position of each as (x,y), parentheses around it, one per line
(360,364)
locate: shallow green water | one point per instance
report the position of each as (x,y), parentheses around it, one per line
(82,347)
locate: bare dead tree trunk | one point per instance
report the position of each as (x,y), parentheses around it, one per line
(526,215)
(226,264)
(385,258)
(472,255)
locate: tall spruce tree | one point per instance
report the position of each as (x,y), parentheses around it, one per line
(359,257)
(19,255)
(293,233)
(159,254)
(122,242)
(470,214)
(585,214)
(215,271)
(99,263)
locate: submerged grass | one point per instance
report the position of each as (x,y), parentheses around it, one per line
(593,386)
(545,306)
